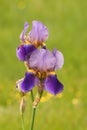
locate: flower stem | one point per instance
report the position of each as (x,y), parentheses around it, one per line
(22,118)
(32,96)
(33,112)
(33,118)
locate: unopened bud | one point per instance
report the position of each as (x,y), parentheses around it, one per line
(36,101)
(22,105)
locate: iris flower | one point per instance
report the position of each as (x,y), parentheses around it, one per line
(36,37)
(43,64)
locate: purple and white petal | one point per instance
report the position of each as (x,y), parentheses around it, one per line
(59,59)
(28,83)
(42,60)
(18,83)
(39,32)
(53,85)
(22,35)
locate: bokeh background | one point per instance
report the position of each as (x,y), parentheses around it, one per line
(67,24)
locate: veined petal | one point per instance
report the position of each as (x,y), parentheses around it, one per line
(22,35)
(59,59)
(24,51)
(28,83)
(42,60)
(39,32)
(52,84)
(29,50)
(21,53)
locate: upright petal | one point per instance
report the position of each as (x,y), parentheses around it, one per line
(39,33)
(22,35)
(42,60)
(53,85)
(28,83)
(59,59)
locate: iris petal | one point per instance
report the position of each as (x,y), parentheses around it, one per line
(22,35)
(24,51)
(28,83)
(59,59)
(39,32)
(29,49)
(42,60)
(21,53)
(53,85)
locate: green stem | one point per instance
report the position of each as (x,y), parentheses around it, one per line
(22,118)
(32,96)
(33,118)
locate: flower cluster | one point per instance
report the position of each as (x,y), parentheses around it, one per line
(40,62)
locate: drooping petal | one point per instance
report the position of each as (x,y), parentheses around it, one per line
(59,59)
(29,49)
(42,60)
(28,83)
(39,32)
(22,35)
(24,51)
(52,84)
(21,53)
(18,83)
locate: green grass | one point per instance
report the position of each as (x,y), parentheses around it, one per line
(67,24)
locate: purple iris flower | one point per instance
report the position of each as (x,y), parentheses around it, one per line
(33,39)
(37,35)
(41,63)
(44,62)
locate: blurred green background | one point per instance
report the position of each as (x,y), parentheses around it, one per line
(67,24)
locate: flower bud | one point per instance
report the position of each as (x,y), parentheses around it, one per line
(22,105)
(36,101)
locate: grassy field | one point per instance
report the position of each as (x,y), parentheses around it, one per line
(67,24)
